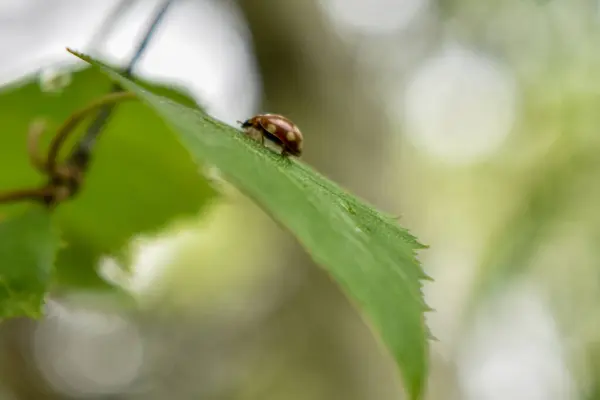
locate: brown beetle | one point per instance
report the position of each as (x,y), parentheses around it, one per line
(277,129)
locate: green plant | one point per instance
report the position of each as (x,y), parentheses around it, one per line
(368,253)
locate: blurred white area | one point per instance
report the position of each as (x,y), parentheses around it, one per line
(514,351)
(82,348)
(202,44)
(250,271)
(459,106)
(54,80)
(373,17)
(150,259)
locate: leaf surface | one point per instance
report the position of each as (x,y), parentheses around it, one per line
(28,246)
(368,253)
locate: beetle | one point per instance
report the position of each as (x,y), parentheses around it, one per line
(277,129)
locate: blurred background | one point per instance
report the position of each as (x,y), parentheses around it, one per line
(476,121)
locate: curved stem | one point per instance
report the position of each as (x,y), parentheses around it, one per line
(81,154)
(109,22)
(71,123)
(36,129)
(25,194)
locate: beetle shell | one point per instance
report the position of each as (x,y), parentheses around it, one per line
(278,129)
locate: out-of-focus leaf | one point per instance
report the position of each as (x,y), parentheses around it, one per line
(28,246)
(543,205)
(369,254)
(140,177)
(555,107)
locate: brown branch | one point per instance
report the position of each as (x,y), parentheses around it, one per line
(26,194)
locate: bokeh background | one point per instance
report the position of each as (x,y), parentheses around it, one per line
(476,121)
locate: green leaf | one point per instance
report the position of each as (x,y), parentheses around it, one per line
(368,254)
(139,180)
(28,246)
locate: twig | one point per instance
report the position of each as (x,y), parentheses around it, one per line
(26,194)
(149,33)
(69,125)
(82,153)
(109,22)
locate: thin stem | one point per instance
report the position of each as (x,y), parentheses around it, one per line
(82,152)
(109,22)
(25,194)
(151,30)
(71,123)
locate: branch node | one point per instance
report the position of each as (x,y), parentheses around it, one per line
(63,179)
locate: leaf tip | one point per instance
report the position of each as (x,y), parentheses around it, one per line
(429,309)
(432,338)
(426,277)
(78,54)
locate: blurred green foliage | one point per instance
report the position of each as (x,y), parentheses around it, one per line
(140,177)
(28,246)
